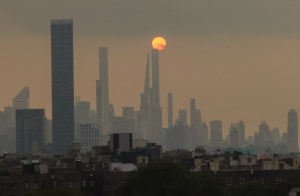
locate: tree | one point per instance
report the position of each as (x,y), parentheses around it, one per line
(164,178)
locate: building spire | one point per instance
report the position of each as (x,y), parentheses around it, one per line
(147,76)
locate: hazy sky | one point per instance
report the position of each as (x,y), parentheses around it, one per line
(239,59)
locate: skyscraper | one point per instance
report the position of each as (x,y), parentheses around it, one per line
(156,112)
(199,136)
(216,136)
(103,97)
(30,129)
(62,84)
(170,110)
(292,131)
(241,129)
(150,114)
(144,114)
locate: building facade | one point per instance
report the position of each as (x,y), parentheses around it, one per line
(30,130)
(62,84)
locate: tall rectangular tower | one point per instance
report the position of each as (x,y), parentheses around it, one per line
(170,110)
(156,112)
(155,78)
(103,88)
(62,84)
(216,136)
(292,131)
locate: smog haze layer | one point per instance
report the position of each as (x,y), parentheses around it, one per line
(239,59)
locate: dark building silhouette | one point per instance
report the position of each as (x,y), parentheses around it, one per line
(241,129)
(170,110)
(30,130)
(103,106)
(216,135)
(234,136)
(144,113)
(156,111)
(62,84)
(198,135)
(292,131)
(178,136)
(263,138)
(150,114)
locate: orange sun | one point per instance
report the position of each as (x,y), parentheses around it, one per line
(159,43)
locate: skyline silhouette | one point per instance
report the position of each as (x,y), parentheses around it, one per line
(250,76)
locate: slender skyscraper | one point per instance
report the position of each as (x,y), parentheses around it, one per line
(199,136)
(144,113)
(170,110)
(62,84)
(155,78)
(105,113)
(156,112)
(292,131)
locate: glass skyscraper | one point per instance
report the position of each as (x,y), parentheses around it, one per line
(62,85)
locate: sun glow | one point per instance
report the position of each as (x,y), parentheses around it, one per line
(159,43)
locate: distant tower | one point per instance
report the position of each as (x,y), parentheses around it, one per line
(98,103)
(30,130)
(156,112)
(241,129)
(182,117)
(170,110)
(155,78)
(216,136)
(21,100)
(292,131)
(234,136)
(62,85)
(103,96)
(199,136)
(144,120)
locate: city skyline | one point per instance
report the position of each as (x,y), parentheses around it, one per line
(258,82)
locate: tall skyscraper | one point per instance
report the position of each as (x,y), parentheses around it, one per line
(156,111)
(292,131)
(62,84)
(30,130)
(150,114)
(199,136)
(216,136)
(170,110)
(234,136)
(241,129)
(144,114)
(103,105)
